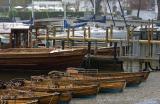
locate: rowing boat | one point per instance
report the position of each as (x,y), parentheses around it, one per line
(62,86)
(131,79)
(40,58)
(12,95)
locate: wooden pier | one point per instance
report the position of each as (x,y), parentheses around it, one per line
(142,47)
(136,45)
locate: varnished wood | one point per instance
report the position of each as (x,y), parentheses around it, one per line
(40,58)
(26,96)
(131,78)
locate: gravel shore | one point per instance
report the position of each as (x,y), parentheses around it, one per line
(146,93)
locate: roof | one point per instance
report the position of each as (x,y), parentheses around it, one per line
(5,19)
(6,27)
(15,2)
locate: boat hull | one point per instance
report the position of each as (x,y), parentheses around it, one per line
(144,74)
(132,78)
(106,85)
(88,91)
(77,89)
(65,97)
(19,102)
(40,98)
(40,60)
(112,86)
(79,92)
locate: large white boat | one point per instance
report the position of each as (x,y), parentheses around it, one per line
(97,32)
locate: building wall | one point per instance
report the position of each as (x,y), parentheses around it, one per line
(145,4)
(55,5)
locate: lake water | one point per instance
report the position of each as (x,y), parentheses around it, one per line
(147,93)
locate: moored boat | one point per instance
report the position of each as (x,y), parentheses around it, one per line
(112,86)
(65,97)
(144,74)
(48,85)
(104,85)
(85,91)
(19,101)
(131,79)
(106,51)
(40,58)
(27,96)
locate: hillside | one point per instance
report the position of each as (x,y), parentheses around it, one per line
(15,2)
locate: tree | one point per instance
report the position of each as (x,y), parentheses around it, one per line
(77,5)
(158,3)
(139,8)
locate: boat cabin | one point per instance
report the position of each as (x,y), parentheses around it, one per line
(15,35)
(20,35)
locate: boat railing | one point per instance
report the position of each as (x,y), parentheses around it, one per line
(16,82)
(82,70)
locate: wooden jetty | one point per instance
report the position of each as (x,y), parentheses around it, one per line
(140,45)
(130,48)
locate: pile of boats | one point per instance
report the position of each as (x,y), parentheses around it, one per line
(60,87)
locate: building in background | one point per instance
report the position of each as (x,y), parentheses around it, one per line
(130,7)
(47,5)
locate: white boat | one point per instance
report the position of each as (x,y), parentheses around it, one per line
(100,33)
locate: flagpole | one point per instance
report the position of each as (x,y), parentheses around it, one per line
(65,14)
(94,7)
(33,12)
(9,5)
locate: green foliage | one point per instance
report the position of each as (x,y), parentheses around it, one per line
(129,12)
(39,15)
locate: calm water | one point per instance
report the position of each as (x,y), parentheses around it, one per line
(147,93)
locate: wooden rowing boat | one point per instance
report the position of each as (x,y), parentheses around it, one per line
(40,58)
(106,51)
(144,74)
(21,83)
(76,90)
(131,79)
(65,97)
(104,85)
(2,85)
(61,86)
(19,102)
(26,96)
(112,86)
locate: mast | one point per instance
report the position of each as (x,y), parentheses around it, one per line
(65,14)
(11,13)
(111,13)
(122,13)
(9,5)
(94,7)
(156,9)
(33,12)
